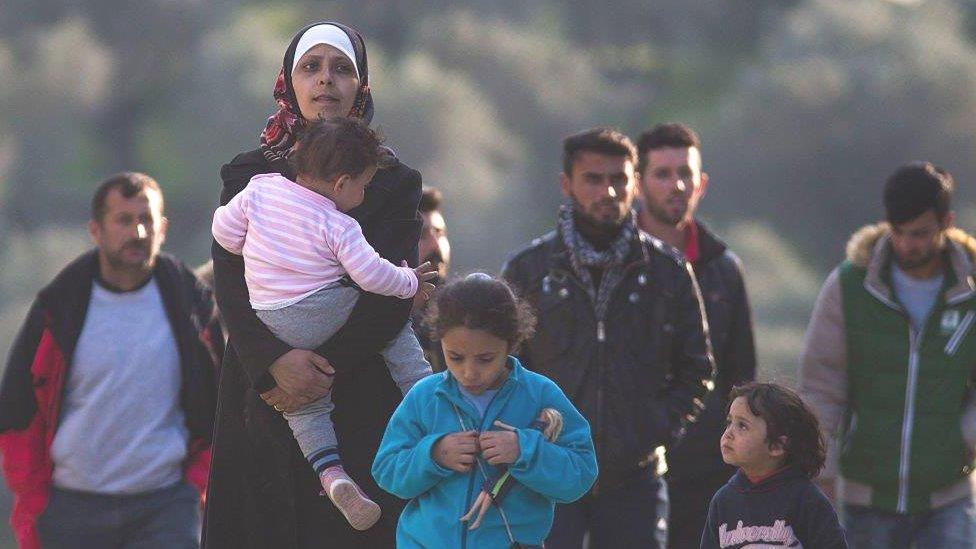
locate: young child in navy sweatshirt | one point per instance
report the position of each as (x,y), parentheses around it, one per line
(775,441)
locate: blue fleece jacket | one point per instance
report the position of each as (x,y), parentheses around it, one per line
(547,473)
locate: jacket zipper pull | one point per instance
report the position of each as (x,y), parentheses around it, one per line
(601,334)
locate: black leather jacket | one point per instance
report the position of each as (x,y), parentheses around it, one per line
(719,275)
(639,374)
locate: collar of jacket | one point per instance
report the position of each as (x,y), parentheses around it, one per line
(741,482)
(67,297)
(448,388)
(709,245)
(559,257)
(869,248)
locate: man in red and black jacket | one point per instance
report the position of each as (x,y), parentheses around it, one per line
(109,394)
(671,185)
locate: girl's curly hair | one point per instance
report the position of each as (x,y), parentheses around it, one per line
(787,416)
(481,302)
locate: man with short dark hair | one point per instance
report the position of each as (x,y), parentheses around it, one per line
(205,275)
(109,394)
(671,184)
(888,368)
(434,246)
(435,249)
(621,331)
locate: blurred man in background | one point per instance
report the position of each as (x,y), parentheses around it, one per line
(436,249)
(205,274)
(109,395)
(434,246)
(671,184)
(888,368)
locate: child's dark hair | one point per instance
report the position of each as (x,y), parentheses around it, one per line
(481,302)
(787,416)
(335,146)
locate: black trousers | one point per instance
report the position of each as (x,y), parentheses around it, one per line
(631,516)
(689,498)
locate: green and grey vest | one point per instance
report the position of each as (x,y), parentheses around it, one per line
(906,393)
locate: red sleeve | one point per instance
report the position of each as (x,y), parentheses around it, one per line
(27,463)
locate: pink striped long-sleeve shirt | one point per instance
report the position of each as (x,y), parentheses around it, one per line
(295,242)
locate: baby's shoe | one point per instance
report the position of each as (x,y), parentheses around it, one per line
(359,510)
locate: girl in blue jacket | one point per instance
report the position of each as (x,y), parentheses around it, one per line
(452,435)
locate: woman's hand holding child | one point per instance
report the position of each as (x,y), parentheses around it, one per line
(457,451)
(281,401)
(302,374)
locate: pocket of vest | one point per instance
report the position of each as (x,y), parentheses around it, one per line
(956,340)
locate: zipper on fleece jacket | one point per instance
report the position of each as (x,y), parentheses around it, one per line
(475,468)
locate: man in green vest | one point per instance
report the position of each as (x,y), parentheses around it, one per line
(888,368)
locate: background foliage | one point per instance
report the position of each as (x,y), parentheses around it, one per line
(804,107)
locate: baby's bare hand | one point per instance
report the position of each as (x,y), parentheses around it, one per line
(425,271)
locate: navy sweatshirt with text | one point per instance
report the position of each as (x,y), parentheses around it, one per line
(783,510)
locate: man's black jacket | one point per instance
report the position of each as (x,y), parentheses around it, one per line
(639,373)
(61,308)
(719,275)
(40,362)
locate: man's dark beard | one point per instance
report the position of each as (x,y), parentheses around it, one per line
(661,214)
(598,233)
(435,259)
(115,260)
(916,263)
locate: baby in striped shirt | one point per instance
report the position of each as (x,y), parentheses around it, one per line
(298,247)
